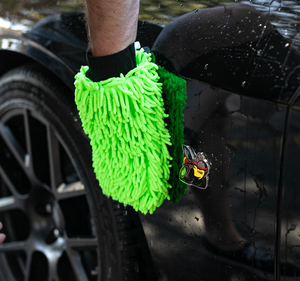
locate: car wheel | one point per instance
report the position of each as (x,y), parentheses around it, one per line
(59,226)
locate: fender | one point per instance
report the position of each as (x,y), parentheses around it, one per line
(234,48)
(16,50)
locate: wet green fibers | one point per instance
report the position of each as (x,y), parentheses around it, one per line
(125,120)
(174,95)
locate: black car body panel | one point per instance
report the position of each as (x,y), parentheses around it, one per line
(289,227)
(252,132)
(17,50)
(255,137)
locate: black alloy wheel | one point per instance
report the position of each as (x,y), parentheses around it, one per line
(59,226)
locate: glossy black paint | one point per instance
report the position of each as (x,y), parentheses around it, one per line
(234,48)
(16,50)
(247,139)
(244,133)
(255,180)
(289,228)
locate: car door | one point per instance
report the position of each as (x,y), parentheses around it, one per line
(242,137)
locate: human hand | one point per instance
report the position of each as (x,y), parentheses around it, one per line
(2,235)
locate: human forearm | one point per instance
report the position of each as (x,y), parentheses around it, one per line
(112,25)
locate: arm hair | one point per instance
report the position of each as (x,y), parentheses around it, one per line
(111,25)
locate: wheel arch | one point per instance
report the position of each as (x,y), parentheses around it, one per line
(18,51)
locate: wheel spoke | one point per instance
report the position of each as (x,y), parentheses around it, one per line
(77,266)
(21,265)
(74,246)
(53,268)
(7,182)
(28,159)
(13,246)
(52,275)
(80,244)
(74,189)
(13,145)
(54,159)
(28,266)
(7,204)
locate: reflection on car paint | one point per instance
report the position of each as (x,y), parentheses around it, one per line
(243,138)
(244,145)
(12,44)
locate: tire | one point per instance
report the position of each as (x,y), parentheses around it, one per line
(59,226)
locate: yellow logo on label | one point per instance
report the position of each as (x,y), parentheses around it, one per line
(199,174)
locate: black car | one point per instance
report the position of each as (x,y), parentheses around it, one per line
(241,128)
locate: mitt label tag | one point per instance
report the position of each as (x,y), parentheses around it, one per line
(196,168)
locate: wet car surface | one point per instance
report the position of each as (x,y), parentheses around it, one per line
(251,139)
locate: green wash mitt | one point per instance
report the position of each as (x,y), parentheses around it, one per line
(131,143)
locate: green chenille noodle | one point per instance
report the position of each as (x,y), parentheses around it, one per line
(124,118)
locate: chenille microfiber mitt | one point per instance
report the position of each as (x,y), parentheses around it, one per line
(136,146)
